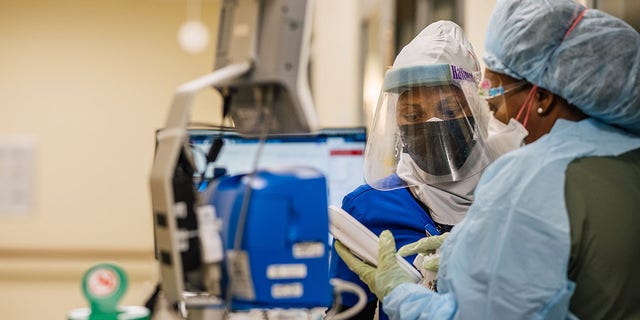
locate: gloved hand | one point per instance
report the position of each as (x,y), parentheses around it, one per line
(384,278)
(431,262)
(427,247)
(424,246)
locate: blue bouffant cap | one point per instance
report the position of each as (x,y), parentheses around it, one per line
(596,67)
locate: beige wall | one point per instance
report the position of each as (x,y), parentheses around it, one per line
(90,81)
(476,18)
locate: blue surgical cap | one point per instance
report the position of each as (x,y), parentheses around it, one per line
(596,67)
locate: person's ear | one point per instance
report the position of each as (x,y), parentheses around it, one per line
(544,101)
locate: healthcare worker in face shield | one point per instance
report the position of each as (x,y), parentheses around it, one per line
(426,148)
(553,230)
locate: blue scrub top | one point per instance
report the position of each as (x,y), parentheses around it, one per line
(396,210)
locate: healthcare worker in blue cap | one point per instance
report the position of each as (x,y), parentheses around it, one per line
(553,230)
(427,146)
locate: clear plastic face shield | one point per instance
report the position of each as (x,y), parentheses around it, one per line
(427,129)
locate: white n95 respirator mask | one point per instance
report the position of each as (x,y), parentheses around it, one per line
(502,138)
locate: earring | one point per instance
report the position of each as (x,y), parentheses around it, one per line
(540,110)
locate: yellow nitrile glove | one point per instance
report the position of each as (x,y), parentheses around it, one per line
(424,246)
(431,262)
(384,278)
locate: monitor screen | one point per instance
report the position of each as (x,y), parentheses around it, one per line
(337,153)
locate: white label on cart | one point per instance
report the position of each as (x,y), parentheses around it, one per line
(308,250)
(287,290)
(209,233)
(287,271)
(240,272)
(180,210)
(183,240)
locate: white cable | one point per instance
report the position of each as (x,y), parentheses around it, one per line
(346,286)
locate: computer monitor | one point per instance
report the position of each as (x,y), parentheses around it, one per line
(337,152)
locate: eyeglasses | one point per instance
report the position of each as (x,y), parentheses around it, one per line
(487,92)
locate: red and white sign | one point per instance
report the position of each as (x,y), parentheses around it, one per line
(103,282)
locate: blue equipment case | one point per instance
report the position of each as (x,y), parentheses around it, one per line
(285,238)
